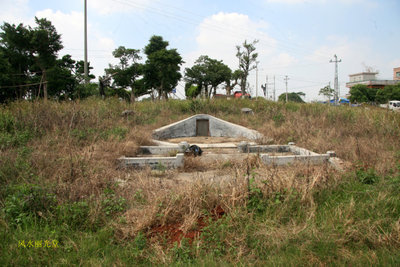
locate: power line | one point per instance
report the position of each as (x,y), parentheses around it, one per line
(22,85)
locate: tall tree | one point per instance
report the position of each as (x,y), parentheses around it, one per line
(361,93)
(45,44)
(390,92)
(61,81)
(17,59)
(66,79)
(126,73)
(247,61)
(29,55)
(6,93)
(233,81)
(162,68)
(327,91)
(207,74)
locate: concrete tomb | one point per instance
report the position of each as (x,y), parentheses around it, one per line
(207,126)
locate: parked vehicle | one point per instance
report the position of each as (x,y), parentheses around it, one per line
(238,94)
(393,104)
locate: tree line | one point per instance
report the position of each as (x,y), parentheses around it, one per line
(30,68)
(361,93)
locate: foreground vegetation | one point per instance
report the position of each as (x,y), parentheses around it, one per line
(61,188)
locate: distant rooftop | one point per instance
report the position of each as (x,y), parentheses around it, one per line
(364,73)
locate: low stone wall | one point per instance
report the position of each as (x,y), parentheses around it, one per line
(152,162)
(244,148)
(285,160)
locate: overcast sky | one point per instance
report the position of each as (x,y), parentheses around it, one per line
(297,38)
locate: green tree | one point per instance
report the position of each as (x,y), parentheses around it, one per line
(292,97)
(191,91)
(207,74)
(247,61)
(127,72)
(327,91)
(6,93)
(16,59)
(162,68)
(360,93)
(66,79)
(390,92)
(234,80)
(61,81)
(44,47)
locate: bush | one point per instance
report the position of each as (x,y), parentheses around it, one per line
(26,202)
(368,176)
(113,204)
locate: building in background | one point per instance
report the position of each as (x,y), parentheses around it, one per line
(396,74)
(370,80)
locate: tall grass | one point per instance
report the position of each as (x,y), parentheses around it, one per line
(60,181)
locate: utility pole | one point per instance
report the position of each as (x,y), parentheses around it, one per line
(274,89)
(85,65)
(256,80)
(286,79)
(336,84)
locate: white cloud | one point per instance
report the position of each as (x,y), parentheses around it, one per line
(106,7)
(70,26)
(14,12)
(282,60)
(220,33)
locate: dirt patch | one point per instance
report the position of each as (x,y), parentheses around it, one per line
(173,233)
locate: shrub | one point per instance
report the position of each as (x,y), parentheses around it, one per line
(112,204)
(28,201)
(368,176)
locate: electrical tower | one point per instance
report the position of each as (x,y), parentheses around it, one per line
(336,84)
(286,79)
(273,92)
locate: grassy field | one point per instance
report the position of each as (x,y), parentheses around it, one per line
(64,201)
